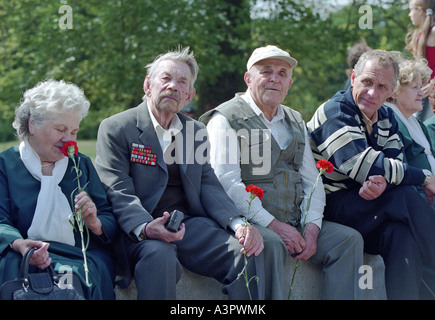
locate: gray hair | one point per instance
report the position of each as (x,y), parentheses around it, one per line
(181,55)
(412,69)
(45,99)
(383,58)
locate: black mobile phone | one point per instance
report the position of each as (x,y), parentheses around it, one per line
(175,220)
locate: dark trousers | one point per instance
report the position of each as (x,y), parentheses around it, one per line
(208,250)
(399,225)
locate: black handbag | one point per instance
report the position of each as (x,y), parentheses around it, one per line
(39,286)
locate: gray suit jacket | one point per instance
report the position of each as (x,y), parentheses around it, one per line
(134,189)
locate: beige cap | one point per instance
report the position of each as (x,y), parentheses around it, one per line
(270,52)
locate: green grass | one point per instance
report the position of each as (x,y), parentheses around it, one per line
(86,147)
(7,145)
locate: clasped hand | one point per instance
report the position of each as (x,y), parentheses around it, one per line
(373,187)
(300,247)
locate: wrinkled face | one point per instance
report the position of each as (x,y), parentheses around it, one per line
(170,89)
(269,81)
(416,13)
(48,137)
(372,87)
(409,99)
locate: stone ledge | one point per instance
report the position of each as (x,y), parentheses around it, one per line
(306,287)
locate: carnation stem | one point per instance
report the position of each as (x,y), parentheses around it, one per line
(85,261)
(293,279)
(303,227)
(81,223)
(246,274)
(245,259)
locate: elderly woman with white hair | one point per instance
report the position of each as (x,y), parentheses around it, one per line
(36,184)
(405,102)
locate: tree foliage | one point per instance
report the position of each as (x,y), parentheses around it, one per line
(111,42)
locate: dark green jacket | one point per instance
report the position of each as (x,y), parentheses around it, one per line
(414,153)
(18,197)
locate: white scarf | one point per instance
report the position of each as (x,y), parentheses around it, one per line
(416,133)
(51,219)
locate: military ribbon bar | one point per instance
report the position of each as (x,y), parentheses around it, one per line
(142,154)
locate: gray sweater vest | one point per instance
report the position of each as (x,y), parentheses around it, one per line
(280,178)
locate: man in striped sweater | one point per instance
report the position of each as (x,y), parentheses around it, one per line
(371,189)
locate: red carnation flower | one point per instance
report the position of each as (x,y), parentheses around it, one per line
(325,165)
(69,148)
(255,191)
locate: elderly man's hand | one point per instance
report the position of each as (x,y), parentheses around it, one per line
(251,240)
(291,237)
(311,234)
(156,230)
(373,188)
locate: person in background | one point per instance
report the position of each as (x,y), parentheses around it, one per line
(352,58)
(405,101)
(36,182)
(430,122)
(371,189)
(287,178)
(150,161)
(420,42)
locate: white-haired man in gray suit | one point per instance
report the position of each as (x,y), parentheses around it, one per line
(147,176)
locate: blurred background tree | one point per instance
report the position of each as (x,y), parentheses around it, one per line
(111,42)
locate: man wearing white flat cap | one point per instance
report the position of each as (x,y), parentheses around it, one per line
(268,131)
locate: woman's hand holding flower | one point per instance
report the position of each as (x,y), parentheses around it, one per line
(89,212)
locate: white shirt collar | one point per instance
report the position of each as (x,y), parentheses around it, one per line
(279,113)
(174,127)
(165,136)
